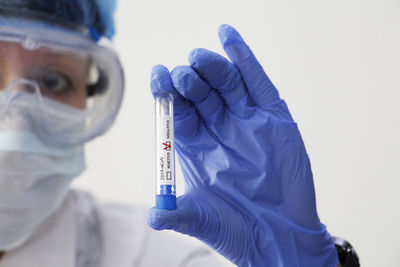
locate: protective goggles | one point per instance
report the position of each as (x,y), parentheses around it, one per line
(67,86)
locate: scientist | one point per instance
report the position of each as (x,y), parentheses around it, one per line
(249,187)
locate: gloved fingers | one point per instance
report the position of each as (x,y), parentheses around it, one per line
(192,87)
(186,118)
(260,88)
(220,73)
(181,220)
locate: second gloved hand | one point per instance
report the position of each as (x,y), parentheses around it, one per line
(249,186)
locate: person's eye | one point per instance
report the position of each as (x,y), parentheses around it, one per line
(55,82)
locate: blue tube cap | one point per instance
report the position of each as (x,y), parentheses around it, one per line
(166,202)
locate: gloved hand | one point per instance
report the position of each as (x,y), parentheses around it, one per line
(249,190)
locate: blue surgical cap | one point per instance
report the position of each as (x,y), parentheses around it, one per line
(96,16)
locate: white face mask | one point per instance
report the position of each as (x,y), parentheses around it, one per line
(34,180)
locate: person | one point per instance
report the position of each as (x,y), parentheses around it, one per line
(250,193)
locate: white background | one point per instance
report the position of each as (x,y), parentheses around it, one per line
(336,63)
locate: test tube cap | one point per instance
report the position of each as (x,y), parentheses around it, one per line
(166,202)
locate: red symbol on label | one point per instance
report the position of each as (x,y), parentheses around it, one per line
(167,146)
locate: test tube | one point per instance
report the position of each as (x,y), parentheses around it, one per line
(165,153)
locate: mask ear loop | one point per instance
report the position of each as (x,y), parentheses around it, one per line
(5,100)
(30,87)
(10,94)
(72,115)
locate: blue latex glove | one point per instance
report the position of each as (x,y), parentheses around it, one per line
(249,186)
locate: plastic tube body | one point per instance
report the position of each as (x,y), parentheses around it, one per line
(165,153)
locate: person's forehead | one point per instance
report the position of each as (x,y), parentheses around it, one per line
(11,50)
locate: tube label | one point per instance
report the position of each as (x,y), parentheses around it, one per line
(165,152)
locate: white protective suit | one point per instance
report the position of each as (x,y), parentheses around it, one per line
(84,233)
